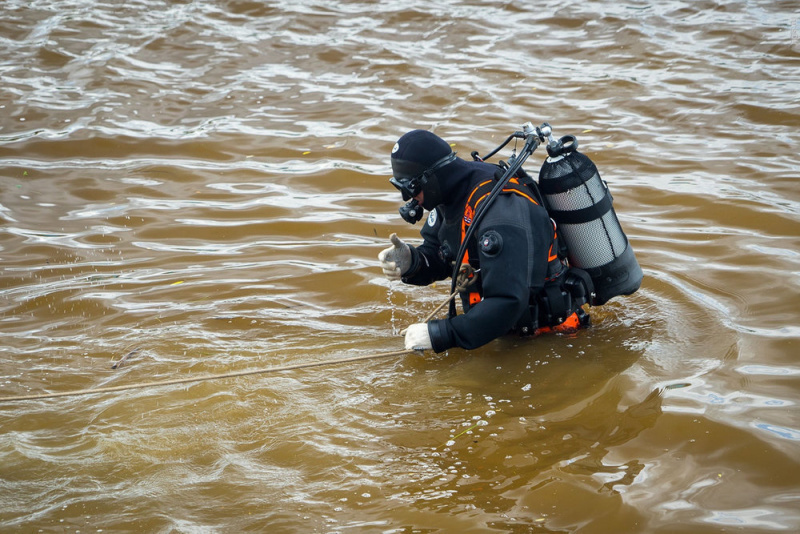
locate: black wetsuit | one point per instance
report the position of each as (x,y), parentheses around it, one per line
(514,262)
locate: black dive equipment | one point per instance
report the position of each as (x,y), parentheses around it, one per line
(579,201)
(580,204)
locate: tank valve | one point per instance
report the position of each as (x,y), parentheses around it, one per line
(543,132)
(546,132)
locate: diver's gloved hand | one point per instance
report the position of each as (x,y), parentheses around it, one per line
(396,259)
(418,338)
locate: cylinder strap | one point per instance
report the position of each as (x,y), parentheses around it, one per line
(584,215)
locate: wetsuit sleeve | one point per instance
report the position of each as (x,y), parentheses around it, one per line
(504,277)
(427,265)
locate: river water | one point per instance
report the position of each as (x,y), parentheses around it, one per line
(203,185)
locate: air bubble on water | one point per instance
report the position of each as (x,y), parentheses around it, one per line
(392,322)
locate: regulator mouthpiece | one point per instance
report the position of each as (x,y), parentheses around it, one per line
(411,211)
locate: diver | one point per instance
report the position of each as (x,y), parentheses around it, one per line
(520,279)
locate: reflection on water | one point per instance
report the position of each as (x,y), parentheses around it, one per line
(202,185)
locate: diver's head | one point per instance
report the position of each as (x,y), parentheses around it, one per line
(416,157)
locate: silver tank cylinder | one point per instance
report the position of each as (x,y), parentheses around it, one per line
(581,205)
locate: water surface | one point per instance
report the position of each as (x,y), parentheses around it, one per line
(206,182)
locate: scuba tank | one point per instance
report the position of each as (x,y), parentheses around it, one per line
(580,203)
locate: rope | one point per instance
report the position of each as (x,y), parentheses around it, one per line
(205,378)
(465,279)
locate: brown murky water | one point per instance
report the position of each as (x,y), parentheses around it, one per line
(205,181)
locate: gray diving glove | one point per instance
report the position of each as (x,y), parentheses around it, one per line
(396,259)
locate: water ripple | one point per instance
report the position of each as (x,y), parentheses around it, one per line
(206,181)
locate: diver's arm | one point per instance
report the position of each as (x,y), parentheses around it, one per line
(427,266)
(504,278)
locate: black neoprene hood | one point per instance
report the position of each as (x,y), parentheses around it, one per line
(415,153)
